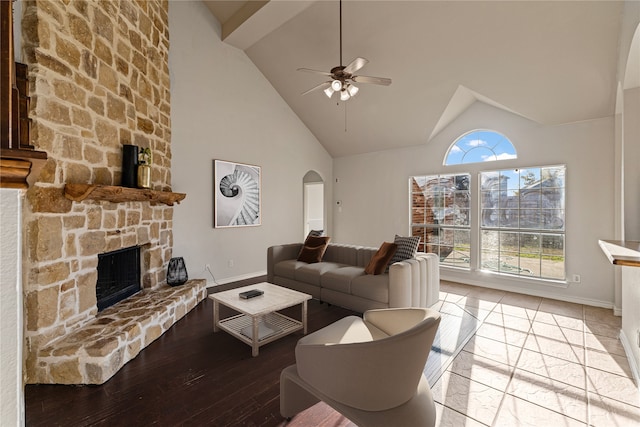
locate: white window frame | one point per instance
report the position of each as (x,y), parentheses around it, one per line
(510,229)
(450,214)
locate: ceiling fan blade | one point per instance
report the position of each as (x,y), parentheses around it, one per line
(355,65)
(320,86)
(373,80)
(308,70)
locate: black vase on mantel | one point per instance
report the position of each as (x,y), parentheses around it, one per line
(129,165)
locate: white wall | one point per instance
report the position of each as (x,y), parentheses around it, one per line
(222,107)
(11,385)
(631,138)
(628,178)
(373,189)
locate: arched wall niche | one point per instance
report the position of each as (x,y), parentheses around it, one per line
(312,176)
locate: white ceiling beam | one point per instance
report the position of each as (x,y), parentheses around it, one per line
(256,19)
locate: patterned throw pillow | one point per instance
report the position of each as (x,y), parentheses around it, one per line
(407,248)
(316,233)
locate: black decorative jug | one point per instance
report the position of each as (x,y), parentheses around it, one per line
(177,272)
(129,165)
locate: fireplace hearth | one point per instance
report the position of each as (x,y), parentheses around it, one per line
(118,276)
(94,352)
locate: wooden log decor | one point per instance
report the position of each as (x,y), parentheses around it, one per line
(109,193)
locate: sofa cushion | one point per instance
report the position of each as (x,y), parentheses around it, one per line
(287,268)
(340,278)
(344,254)
(313,249)
(380,260)
(310,273)
(371,287)
(365,255)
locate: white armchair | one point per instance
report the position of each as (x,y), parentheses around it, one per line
(369,369)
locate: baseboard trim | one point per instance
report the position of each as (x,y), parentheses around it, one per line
(635,369)
(212,284)
(533,292)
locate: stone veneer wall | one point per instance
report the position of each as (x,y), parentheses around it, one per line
(99,78)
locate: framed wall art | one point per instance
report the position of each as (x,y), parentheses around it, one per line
(236,194)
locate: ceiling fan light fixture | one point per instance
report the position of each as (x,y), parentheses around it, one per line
(329,92)
(342,76)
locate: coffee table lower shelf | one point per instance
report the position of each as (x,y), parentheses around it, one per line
(259,320)
(280,325)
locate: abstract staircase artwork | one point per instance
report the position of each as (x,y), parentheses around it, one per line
(236,194)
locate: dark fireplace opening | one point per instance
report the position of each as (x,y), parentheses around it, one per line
(118,276)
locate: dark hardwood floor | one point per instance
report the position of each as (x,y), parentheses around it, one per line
(189,376)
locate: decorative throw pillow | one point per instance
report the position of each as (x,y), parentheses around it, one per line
(316,233)
(407,248)
(313,249)
(380,259)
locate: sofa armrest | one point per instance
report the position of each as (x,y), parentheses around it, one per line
(431,292)
(415,282)
(400,277)
(278,253)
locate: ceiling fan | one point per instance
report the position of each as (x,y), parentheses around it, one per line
(343,77)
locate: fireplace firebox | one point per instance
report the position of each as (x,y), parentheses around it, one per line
(118,276)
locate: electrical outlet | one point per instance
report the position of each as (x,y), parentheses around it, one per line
(230,263)
(576,278)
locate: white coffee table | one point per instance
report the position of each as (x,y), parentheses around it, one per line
(258,322)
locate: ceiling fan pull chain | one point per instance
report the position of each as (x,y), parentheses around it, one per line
(345,117)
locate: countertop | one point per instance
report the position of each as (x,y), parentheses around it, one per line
(621,252)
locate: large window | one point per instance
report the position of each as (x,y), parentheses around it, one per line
(522,222)
(440,215)
(518,222)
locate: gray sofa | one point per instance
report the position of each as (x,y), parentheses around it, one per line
(340,278)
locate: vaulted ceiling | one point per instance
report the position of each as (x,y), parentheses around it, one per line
(552,62)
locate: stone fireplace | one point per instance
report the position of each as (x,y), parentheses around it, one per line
(99,78)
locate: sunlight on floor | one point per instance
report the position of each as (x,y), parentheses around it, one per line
(535,362)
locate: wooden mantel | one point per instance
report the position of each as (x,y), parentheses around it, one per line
(110,193)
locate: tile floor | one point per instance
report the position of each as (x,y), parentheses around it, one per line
(531,362)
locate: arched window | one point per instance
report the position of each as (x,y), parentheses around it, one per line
(521,212)
(480,146)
